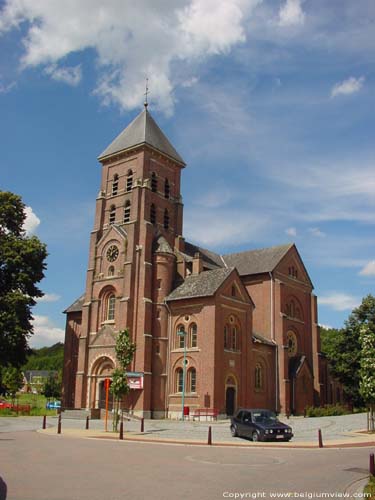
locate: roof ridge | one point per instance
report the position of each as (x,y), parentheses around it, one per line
(286,245)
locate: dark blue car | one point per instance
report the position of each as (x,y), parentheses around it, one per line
(259,425)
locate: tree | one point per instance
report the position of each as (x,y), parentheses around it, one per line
(12,379)
(52,387)
(124,349)
(367,371)
(22,265)
(343,349)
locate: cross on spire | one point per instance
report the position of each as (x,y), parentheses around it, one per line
(146,94)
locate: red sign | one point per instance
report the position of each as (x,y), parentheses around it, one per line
(135,382)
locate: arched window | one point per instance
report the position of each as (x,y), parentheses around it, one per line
(152,214)
(166,219)
(180,339)
(110,309)
(226,337)
(129,181)
(112,214)
(193,330)
(115,185)
(192,380)
(127,211)
(258,377)
(234,343)
(179,380)
(166,189)
(111,271)
(154,182)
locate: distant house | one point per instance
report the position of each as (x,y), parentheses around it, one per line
(34,380)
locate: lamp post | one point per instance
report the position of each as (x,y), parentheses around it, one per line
(181,333)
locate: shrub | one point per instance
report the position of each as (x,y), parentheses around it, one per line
(326,411)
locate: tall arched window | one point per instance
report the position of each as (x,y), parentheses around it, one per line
(112,214)
(193,330)
(258,382)
(127,211)
(234,343)
(179,380)
(166,219)
(115,185)
(111,271)
(166,189)
(192,380)
(129,181)
(180,339)
(152,214)
(226,337)
(154,182)
(110,309)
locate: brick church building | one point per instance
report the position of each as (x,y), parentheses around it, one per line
(245,322)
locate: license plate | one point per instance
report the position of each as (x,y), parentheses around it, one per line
(280,436)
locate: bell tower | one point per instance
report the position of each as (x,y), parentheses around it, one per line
(139,201)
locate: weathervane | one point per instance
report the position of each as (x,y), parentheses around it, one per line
(146,94)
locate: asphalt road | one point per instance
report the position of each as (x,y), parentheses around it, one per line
(36,466)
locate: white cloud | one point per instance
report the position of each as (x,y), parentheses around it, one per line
(349,86)
(339,301)
(369,269)
(31,221)
(4,89)
(49,297)
(315,231)
(132,40)
(291,231)
(291,13)
(46,333)
(327,327)
(71,75)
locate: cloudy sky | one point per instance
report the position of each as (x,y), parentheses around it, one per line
(270,102)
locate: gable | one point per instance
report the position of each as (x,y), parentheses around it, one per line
(233,289)
(292,265)
(105,336)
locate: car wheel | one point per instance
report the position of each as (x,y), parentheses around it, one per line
(233,431)
(255,436)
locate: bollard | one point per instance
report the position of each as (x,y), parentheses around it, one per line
(304,412)
(372,465)
(44,422)
(209,440)
(59,425)
(142,424)
(320,438)
(87,422)
(121,436)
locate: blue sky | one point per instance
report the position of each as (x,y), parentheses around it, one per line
(270,102)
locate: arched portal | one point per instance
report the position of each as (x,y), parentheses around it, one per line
(101,370)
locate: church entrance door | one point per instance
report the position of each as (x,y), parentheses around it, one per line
(102,396)
(230,398)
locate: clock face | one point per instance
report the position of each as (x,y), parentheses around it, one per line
(112,253)
(291,343)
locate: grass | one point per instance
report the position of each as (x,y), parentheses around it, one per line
(37,403)
(370,488)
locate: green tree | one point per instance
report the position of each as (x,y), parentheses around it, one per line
(52,387)
(124,349)
(367,371)
(22,265)
(343,349)
(12,380)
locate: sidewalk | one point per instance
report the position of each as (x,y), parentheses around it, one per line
(337,432)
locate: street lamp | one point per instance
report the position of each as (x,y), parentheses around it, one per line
(181,333)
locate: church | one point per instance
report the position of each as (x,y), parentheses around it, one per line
(211,331)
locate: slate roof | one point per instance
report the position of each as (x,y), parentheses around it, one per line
(77,305)
(257,261)
(204,284)
(211,260)
(161,245)
(142,130)
(262,340)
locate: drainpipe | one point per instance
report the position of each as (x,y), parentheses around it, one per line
(169,334)
(272,306)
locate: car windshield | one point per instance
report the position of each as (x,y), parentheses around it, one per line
(264,417)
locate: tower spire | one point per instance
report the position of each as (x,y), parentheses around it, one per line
(146,94)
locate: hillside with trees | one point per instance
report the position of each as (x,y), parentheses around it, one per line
(46,358)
